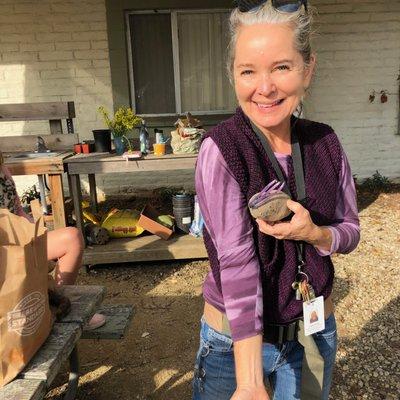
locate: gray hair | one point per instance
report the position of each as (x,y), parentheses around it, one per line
(300,21)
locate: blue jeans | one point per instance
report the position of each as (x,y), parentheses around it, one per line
(214,374)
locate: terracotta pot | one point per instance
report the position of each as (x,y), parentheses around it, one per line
(86,148)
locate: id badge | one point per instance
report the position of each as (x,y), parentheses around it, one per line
(314,316)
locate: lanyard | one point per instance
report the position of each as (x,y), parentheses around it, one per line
(298,175)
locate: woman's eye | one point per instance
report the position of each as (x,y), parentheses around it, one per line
(282,67)
(246,72)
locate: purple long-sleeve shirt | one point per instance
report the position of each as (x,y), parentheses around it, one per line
(228,222)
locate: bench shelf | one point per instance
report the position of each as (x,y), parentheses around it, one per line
(145,248)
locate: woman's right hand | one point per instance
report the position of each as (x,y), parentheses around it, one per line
(250,393)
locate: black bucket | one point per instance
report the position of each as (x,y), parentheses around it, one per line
(102,140)
(183,211)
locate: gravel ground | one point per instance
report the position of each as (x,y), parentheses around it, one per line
(155,360)
(367,292)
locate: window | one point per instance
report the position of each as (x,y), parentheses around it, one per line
(177,62)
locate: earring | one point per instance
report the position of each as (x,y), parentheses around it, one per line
(299,109)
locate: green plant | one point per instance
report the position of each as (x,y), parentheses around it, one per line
(30,194)
(377,182)
(123,120)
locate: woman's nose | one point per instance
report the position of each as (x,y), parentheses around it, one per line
(266,85)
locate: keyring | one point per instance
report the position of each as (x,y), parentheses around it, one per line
(301,273)
(300,266)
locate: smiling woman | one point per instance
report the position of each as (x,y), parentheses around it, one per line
(253,328)
(270,78)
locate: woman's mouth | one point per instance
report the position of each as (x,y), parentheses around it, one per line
(270,106)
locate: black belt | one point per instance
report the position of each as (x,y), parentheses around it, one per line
(279,334)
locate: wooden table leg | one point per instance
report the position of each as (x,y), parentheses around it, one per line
(57,200)
(76,194)
(69,185)
(93,192)
(73,379)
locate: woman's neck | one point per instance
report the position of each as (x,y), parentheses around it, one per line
(279,138)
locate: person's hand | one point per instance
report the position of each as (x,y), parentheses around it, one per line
(300,227)
(250,393)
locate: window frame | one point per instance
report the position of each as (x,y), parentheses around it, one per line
(175,54)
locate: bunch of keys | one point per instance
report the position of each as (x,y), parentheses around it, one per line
(304,290)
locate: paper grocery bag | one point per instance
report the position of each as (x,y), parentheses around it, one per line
(25,318)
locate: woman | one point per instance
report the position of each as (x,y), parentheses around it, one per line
(252,321)
(64,244)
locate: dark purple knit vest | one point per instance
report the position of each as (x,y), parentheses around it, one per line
(249,164)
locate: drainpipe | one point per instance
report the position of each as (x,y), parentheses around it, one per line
(398,117)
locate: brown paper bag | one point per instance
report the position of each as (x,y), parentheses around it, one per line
(25,318)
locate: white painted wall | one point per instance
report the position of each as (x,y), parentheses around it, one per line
(358,51)
(56,50)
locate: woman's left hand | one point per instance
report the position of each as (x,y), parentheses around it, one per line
(300,227)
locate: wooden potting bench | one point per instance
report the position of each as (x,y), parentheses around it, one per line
(142,248)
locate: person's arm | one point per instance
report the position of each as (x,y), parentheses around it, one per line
(225,214)
(249,369)
(345,231)
(340,237)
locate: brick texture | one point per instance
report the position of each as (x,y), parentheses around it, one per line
(358,52)
(58,51)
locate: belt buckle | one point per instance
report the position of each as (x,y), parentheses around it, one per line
(281,333)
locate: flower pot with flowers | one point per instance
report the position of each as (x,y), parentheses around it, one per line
(120,124)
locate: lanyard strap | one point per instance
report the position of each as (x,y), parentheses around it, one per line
(298,175)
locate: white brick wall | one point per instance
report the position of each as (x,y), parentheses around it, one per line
(358,51)
(56,50)
(51,51)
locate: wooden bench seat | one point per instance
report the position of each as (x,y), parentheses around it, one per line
(118,318)
(85,300)
(23,389)
(46,363)
(33,382)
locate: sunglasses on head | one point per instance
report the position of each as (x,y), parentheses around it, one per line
(280,5)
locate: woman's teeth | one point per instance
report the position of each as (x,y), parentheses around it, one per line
(270,105)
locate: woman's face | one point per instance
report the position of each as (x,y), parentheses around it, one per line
(269,74)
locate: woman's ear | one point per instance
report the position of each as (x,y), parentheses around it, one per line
(309,71)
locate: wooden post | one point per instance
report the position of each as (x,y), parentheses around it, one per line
(76,194)
(57,200)
(93,192)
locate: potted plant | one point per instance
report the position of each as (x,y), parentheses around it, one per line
(123,121)
(28,195)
